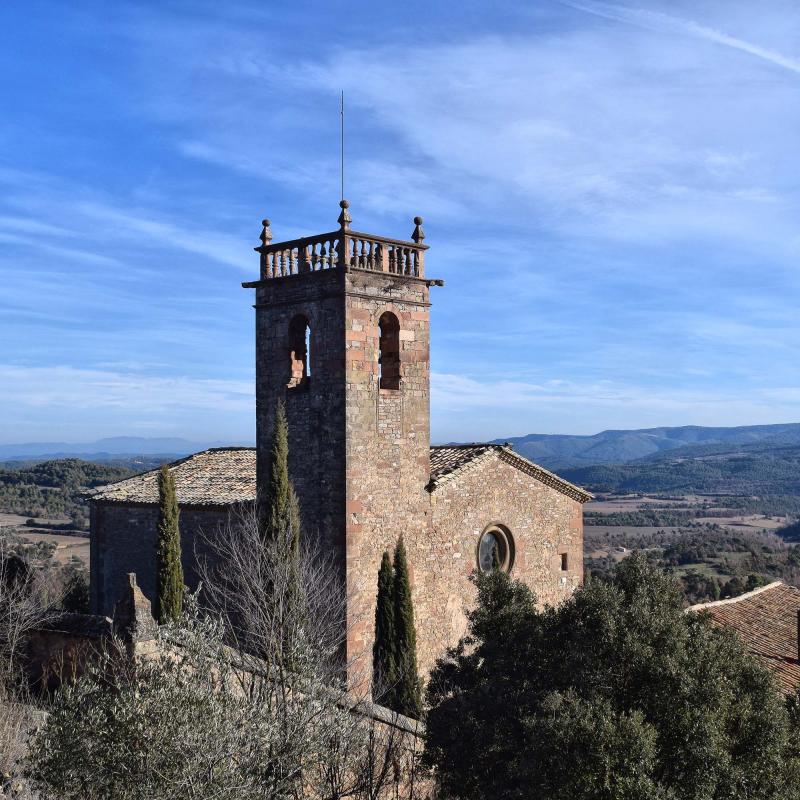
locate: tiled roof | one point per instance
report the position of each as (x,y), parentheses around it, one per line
(225,475)
(766,620)
(449,461)
(217,477)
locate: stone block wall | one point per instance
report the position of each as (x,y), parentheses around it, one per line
(62,651)
(123,540)
(543,523)
(358,454)
(388,444)
(315,407)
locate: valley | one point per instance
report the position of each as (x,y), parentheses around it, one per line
(717,507)
(716,545)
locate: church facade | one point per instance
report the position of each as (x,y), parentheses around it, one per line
(342,324)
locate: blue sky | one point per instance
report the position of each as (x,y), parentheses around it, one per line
(611,193)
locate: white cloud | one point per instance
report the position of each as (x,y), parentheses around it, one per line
(156,230)
(79,389)
(619,133)
(72,403)
(468,409)
(658,20)
(101,222)
(603,199)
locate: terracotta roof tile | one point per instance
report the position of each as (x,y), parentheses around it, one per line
(225,475)
(217,477)
(766,621)
(449,461)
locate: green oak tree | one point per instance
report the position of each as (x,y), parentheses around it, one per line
(616,694)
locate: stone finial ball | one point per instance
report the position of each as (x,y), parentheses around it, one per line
(418,220)
(265,223)
(344,204)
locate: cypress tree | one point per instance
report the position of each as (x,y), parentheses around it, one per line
(408,694)
(282,514)
(384,666)
(169,583)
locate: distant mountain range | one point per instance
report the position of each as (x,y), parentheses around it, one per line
(554,451)
(561,452)
(761,460)
(104,448)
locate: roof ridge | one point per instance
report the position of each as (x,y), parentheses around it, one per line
(506,453)
(464,446)
(551,475)
(744,596)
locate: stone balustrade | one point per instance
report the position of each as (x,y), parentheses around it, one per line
(342,249)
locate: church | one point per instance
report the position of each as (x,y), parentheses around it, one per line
(342,326)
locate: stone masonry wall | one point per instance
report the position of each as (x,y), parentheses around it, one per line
(124,540)
(358,455)
(543,523)
(360,459)
(315,408)
(388,444)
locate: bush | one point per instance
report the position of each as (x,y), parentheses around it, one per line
(617,693)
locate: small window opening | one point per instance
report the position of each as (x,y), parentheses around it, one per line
(389,351)
(495,550)
(299,351)
(564,562)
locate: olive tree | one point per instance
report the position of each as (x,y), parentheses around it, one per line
(241,698)
(24,594)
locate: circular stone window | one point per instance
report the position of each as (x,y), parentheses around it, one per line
(495,550)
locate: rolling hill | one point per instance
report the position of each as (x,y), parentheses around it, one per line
(562,452)
(747,470)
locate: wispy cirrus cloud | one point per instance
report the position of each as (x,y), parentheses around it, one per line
(658,20)
(610,192)
(619,134)
(71,401)
(92,217)
(87,389)
(459,400)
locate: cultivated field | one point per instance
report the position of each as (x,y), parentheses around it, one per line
(69,543)
(716,544)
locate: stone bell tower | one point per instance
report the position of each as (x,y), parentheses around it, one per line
(342,338)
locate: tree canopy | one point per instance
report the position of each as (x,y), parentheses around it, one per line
(616,694)
(187,724)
